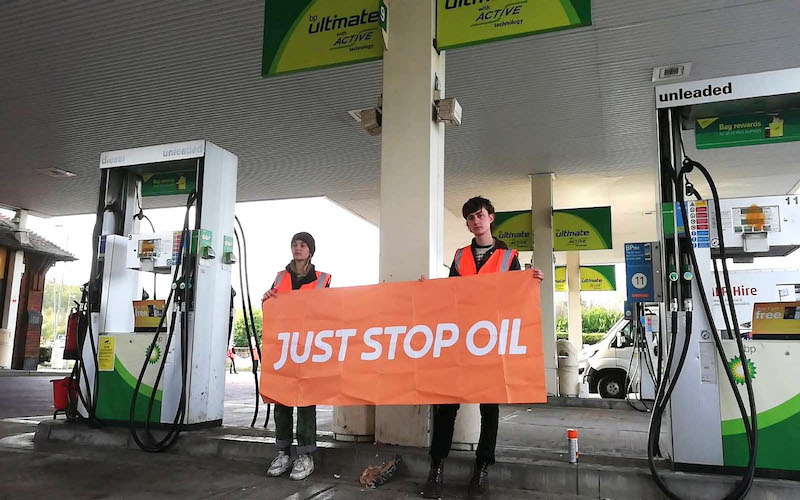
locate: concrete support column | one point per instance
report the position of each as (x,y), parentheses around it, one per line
(412,191)
(354,423)
(16,267)
(542,222)
(412,179)
(574,300)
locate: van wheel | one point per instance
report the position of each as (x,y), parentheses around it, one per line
(612,386)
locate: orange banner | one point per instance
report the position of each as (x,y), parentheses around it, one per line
(474,339)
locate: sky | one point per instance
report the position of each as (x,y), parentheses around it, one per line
(347,245)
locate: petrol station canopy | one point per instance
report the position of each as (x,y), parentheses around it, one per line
(97,76)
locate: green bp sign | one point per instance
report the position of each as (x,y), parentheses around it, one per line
(514,229)
(747,130)
(311,34)
(582,229)
(170,183)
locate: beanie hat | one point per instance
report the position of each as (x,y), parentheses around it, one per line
(307,239)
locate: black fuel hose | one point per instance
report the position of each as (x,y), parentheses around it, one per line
(741,490)
(751,425)
(255,334)
(179,287)
(247,327)
(247,285)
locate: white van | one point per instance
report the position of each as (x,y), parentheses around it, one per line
(604,366)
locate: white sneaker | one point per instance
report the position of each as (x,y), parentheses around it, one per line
(280,465)
(303,467)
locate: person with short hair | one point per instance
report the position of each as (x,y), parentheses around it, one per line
(484,255)
(300,274)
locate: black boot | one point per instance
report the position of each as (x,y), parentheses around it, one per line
(433,486)
(479,484)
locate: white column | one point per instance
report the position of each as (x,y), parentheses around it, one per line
(542,222)
(412,194)
(574,300)
(16,266)
(412,179)
(354,423)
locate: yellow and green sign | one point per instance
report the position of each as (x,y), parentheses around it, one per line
(469,22)
(310,34)
(778,319)
(582,229)
(168,183)
(120,363)
(593,278)
(514,229)
(747,130)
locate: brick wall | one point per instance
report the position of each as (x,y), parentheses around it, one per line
(31,295)
(34,332)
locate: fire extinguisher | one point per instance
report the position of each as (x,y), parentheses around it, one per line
(73,327)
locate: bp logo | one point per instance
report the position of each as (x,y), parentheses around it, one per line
(737,369)
(155,355)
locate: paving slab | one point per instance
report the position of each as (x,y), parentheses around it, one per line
(534,471)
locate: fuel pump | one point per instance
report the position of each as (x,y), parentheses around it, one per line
(729,397)
(160,363)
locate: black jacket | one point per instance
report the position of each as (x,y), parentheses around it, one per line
(515,266)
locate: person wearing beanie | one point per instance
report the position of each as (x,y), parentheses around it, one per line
(300,274)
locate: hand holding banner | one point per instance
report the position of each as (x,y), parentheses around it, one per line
(474,339)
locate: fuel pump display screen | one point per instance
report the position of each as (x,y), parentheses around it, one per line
(149,249)
(752,219)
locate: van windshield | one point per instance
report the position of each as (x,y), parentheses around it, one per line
(616,327)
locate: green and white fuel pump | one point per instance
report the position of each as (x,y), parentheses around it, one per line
(732,400)
(160,363)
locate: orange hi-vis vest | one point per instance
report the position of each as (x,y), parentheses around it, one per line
(283,282)
(499,261)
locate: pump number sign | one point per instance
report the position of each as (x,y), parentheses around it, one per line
(642,265)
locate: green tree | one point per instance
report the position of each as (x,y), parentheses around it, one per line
(594,319)
(239,331)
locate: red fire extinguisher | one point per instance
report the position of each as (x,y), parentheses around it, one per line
(73,325)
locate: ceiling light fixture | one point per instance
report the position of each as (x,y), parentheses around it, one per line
(57,173)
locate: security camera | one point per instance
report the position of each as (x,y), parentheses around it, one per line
(448,111)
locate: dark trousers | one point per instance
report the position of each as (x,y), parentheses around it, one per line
(306,428)
(444,419)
